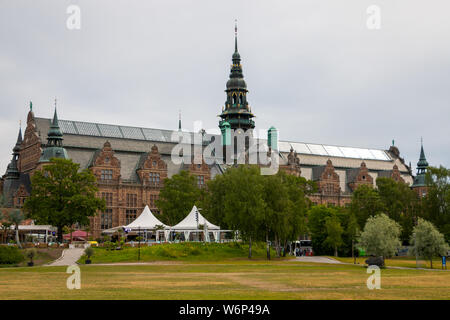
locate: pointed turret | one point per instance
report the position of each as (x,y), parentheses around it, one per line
(54,147)
(422,165)
(236,111)
(12,171)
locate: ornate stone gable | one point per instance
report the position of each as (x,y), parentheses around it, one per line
(30,150)
(396,174)
(201,170)
(293,164)
(362,178)
(20,195)
(329,180)
(153,170)
(105,166)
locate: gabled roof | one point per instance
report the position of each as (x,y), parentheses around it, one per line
(193,219)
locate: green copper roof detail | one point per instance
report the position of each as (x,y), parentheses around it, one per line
(55,132)
(12,171)
(422,165)
(236,110)
(54,147)
(19,141)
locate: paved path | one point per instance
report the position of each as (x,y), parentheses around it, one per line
(69,257)
(317,259)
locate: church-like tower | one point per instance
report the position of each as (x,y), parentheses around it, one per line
(419,184)
(236,113)
(54,147)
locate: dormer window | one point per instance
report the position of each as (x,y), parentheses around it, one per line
(154,163)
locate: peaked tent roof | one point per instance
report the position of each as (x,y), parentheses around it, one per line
(190,222)
(146,221)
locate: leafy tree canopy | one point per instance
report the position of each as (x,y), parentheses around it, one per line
(176,199)
(380,236)
(436,204)
(427,241)
(63,195)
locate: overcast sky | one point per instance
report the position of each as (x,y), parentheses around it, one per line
(313,68)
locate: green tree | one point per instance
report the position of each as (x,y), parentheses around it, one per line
(317,218)
(275,215)
(244,205)
(352,231)
(427,241)
(179,194)
(63,195)
(215,201)
(334,233)
(5,224)
(399,202)
(16,217)
(365,203)
(380,236)
(436,204)
(297,188)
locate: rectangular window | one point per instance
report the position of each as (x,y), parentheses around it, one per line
(106,175)
(131,200)
(108,198)
(200,181)
(153,178)
(130,215)
(153,198)
(106,219)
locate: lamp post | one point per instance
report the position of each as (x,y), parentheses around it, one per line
(353,251)
(139,244)
(415,249)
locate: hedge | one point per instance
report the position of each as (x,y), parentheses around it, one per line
(10,255)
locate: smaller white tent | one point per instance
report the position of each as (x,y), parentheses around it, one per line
(191,222)
(146,221)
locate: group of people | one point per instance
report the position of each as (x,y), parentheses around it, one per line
(302,252)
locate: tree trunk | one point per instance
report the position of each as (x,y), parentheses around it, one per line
(285,248)
(17,237)
(267,245)
(250,247)
(431,262)
(60,234)
(277,245)
(335,251)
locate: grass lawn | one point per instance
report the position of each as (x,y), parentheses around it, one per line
(186,251)
(239,279)
(409,262)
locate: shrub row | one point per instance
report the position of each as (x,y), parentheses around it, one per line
(10,255)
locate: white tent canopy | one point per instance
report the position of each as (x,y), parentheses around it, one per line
(193,219)
(146,221)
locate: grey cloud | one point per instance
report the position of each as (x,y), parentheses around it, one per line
(312,67)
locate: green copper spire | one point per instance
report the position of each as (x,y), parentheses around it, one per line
(55,134)
(12,171)
(54,147)
(236,110)
(422,165)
